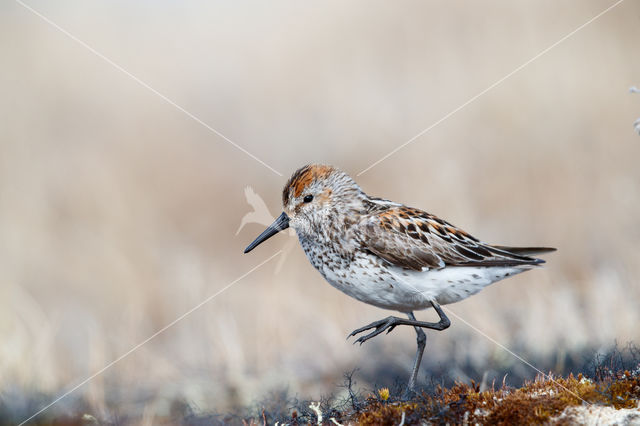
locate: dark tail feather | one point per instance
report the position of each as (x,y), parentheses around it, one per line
(525,251)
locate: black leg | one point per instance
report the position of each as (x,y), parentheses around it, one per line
(422,342)
(390,323)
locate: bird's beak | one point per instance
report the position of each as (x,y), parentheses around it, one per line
(281,223)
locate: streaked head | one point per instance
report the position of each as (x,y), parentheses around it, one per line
(309,196)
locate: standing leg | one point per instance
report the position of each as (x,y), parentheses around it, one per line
(422,342)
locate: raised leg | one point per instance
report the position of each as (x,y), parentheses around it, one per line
(390,323)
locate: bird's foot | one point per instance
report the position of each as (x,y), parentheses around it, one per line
(388,324)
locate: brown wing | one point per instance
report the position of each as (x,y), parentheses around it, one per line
(413,239)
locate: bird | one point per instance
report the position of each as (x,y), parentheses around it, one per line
(389,255)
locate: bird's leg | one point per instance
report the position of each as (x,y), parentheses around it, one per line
(422,342)
(390,323)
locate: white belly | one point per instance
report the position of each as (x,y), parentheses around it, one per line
(406,290)
(455,283)
(372,280)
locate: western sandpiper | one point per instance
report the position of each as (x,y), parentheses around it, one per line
(387,254)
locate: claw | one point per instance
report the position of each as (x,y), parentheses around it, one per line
(390,323)
(386,324)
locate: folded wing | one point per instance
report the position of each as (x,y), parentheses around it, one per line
(413,239)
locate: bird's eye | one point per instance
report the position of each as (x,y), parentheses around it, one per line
(307,198)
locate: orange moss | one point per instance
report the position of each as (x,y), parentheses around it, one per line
(537,402)
(380,412)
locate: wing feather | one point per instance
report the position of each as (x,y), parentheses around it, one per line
(413,239)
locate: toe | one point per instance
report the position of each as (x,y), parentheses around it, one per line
(354,332)
(360,340)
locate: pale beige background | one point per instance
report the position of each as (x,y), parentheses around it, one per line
(118,212)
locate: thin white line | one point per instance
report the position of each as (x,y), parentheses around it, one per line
(143,84)
(490,87)
(514,354)
(136,347)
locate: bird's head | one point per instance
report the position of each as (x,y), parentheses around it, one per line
(311,196)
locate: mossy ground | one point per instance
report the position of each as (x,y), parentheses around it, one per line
(539,401)
(536,402)
(612,381)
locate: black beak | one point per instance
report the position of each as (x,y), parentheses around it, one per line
(281,223)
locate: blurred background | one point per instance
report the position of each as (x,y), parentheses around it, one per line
(119,212)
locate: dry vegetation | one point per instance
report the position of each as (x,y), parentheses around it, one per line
(118,213)
(607,397)
(607,393)
(540,401)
